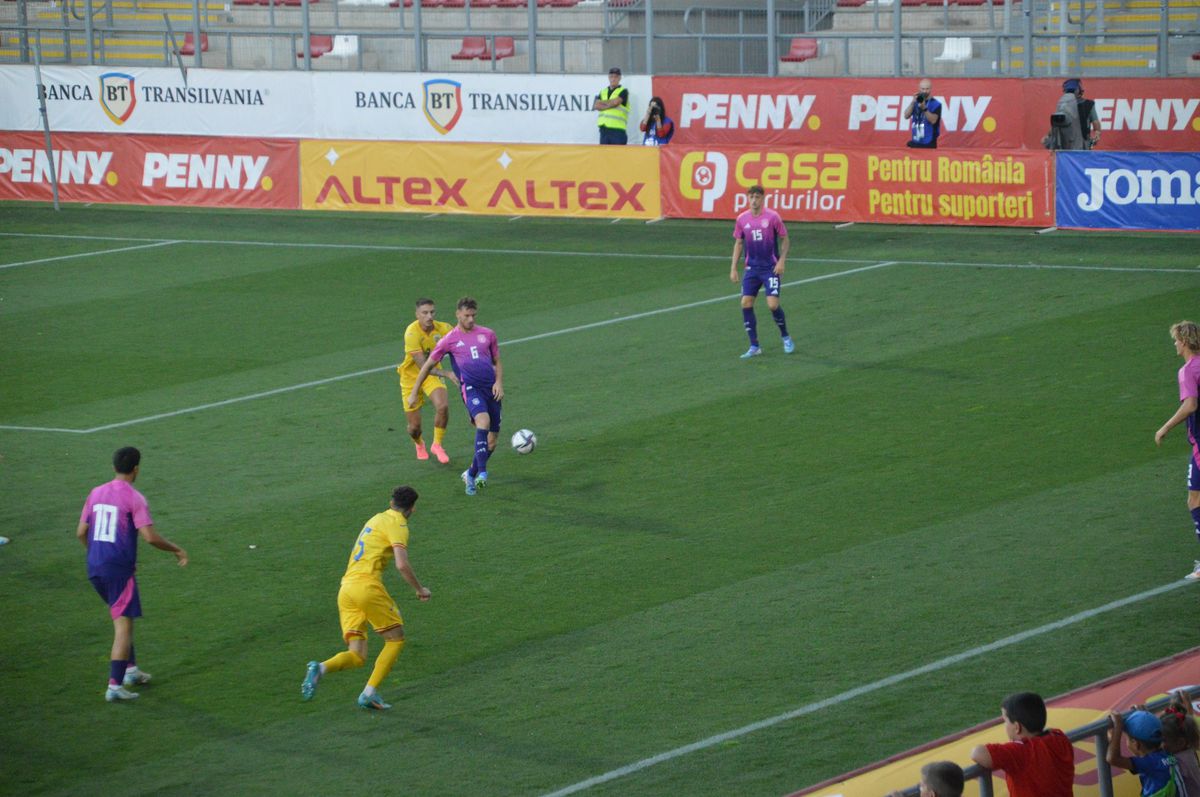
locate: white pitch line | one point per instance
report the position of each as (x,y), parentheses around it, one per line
(569,253)
(865,689)
(41,429)
(87,254)
(540,336)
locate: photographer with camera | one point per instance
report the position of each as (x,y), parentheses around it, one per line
(925,117)
(657,127)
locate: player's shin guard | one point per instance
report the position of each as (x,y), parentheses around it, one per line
(780,321)
(479,464)
(751,324)
(383,664)
(346,660)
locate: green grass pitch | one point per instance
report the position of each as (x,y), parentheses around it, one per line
(961,449)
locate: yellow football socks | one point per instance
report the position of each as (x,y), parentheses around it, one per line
(438,434)
(383,664)
(346,660)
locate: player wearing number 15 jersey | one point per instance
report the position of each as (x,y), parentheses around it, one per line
(363,599)
(760,232)
(476,356)
(114,516)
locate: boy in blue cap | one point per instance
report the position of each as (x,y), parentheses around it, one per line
(1154,766)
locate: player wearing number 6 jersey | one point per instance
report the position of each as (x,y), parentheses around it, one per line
(476,357)
(363,599)
(114,516)
(760,232)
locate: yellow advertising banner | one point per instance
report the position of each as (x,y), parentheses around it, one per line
(497,179)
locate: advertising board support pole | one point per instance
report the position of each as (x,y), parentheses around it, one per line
(196,48)
(533,37)
(1028,12)
(772,45)
(1164,12)
(897,55)
(41,92)
(649,37)
(418,49)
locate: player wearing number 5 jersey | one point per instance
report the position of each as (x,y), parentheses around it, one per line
(760,233)
(363,599)
(476,357)
(114,516)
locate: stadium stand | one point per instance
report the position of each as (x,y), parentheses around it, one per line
(800,50)
(189,44)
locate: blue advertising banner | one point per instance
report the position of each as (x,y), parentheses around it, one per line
(1128,190)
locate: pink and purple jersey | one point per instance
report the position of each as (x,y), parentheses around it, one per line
(1189,387)
(760,236)
(474,354)
(113,513)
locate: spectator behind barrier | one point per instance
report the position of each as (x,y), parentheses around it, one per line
(1036,762)
(657,126)
(613,105)
(939,779)
(1154,766)
(1181,738)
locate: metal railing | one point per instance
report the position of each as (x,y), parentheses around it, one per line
(1097,731)
(1029,39)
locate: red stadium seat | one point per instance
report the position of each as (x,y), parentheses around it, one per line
(505,47)
(563,3)
(1196,56)
(850,3)
(801,50)
(472,47)
(317,46)
(189,44)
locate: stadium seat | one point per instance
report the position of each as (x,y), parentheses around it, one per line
(344,45)
(504,47)
(472,47)
(956,48)
(967,2)
(484,3)
(801,50)
(563,3)
(1196,56)
(850,3)
(317,46)
(189,44)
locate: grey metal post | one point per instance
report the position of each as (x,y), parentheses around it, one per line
(41,92)
(649,37)
(1103,770)
(306,32)
(985,784)
(23,21)
(418,50)
(533,37)
(1062,38)
(897,55)
(196,32)
(1164,12)
(1028,12)
(772,45)
(87,29)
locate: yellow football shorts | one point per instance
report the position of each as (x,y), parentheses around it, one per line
(430,384)
(362,602)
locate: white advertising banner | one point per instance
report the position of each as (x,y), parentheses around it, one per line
(343,105)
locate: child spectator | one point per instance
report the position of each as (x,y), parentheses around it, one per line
(1181,738)
(1036,762)
(939,779)
(1154,766)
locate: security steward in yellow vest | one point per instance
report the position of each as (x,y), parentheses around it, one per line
(613,105)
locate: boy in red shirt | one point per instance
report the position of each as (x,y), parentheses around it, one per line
(1037,762)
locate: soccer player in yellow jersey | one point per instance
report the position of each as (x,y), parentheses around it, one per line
(363,599)
(419,339)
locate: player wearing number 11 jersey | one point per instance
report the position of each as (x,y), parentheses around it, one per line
(114,516)
(760,232)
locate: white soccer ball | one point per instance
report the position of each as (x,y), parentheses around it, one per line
(524,441)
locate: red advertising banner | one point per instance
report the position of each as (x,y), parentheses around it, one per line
(152,170)
(997,187)
(979,113)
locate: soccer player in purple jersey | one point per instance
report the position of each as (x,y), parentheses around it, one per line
(113,517)
(1186,336)
(476,357)
(761,233)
